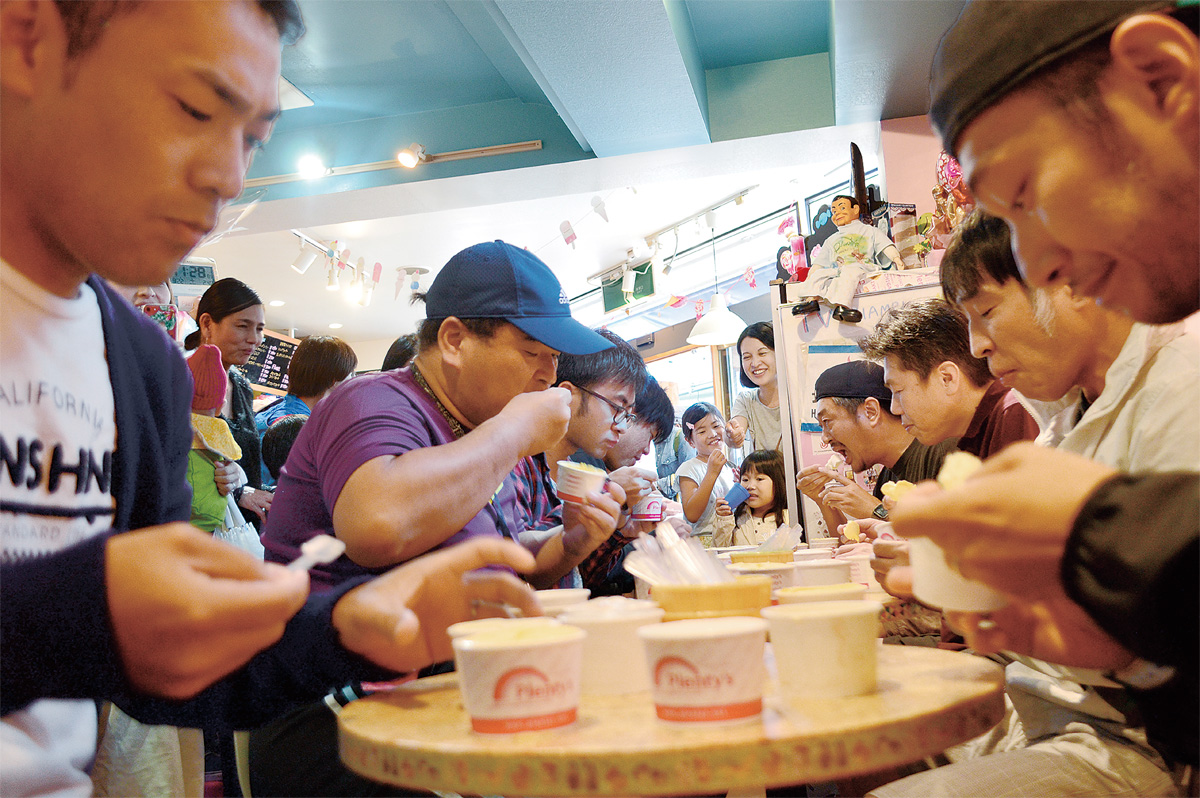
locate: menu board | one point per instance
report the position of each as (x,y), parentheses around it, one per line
(268,365)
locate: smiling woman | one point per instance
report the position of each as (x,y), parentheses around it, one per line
(756,412)
(231,318)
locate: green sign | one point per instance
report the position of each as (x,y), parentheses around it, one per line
(643,286)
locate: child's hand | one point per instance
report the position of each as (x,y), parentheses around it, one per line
(722,508)
(716,461)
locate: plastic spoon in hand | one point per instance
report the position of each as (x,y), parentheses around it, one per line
(321,550)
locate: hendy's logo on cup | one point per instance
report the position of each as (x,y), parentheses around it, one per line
(684,693)
(522,685)
(676,673)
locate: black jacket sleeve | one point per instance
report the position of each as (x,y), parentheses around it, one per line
(1133,562)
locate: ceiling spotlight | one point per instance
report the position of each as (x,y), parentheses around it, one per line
(411,156)
(306,258)
(629,281)
(311,167)
(335,326)
(276,303)
(366,296)
(332,284)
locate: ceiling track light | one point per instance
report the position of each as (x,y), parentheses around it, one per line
(702,216)
(306,257)
(394,163)
(412,155)
(629,280)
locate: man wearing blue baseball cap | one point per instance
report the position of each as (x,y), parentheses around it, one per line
(403,462)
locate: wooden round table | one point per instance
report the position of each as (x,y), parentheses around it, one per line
(419,736)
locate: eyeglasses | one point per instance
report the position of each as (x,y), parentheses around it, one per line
(622,416)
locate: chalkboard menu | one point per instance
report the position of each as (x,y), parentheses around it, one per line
(267,368)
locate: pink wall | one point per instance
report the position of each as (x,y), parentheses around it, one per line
(910,151)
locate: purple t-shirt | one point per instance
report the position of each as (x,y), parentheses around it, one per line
(375,415)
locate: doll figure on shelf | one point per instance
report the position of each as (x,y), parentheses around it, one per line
(854,250)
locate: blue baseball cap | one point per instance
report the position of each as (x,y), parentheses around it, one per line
(495,280)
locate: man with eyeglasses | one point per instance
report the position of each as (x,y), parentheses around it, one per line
(602,387)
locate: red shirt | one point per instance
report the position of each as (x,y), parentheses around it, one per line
(1000,419)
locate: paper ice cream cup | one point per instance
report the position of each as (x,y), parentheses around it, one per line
(843,634)
(555,600)
(783,574)
(822,572)
(576,480)
(706,671)
(745,595)
(650,508)
(937,584)
(612,637)
(520,679)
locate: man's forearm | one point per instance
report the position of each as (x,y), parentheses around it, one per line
(395,508)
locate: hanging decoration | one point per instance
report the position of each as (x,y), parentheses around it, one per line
(750,278)
(598,208)
(568,233)
(699,309)
(676,301)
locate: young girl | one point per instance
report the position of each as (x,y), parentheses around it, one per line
(706,478)
(765,510)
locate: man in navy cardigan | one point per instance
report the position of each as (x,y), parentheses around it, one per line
(124,129)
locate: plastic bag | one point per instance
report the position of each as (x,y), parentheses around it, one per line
(236,531)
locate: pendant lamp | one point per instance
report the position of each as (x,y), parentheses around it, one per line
(720,326)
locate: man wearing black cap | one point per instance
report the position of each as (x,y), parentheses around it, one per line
(852,409)
(1083,136)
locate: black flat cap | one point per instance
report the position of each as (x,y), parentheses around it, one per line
(858,379)
(997,44)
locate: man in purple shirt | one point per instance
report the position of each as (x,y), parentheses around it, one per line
(402,462)
(939,389)
(398,463)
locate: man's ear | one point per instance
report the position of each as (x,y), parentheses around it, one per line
(948,375)
(452,335)
(31,35)
(1161,54)
(870,411)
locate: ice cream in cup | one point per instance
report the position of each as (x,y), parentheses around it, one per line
(464,628)
(745,595)
(843,634)
(576,480)
(847,591)
(520,679)
(760,556)
(706,671)
(937,584)
(611,628)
